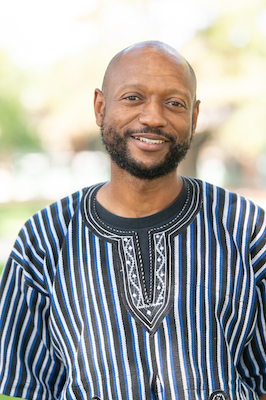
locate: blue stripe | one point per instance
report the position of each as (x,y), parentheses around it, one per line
(93,355)
(60,320)
(26,334)
(171,356)
(192,246)
(51,236)
(116,317)
(58,216)
(101,345)
(13,352)
(180,315)
(134,341)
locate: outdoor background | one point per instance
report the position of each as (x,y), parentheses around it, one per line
(53,54)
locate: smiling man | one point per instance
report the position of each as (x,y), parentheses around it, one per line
(149,286)
(148,112)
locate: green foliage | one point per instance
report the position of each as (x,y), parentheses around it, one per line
(16,132)
(230,65)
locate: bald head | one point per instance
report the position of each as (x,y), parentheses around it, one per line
(156,46)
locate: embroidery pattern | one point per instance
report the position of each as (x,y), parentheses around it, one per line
(132,272)
(160,268)
(149,312)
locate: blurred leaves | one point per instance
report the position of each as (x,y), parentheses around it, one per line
(16,132)
(53,108)
(230,62)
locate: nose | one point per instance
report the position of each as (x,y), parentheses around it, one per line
(152,114)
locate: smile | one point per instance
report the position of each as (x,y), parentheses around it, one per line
(149,141)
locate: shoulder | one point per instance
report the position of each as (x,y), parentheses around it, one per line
(57,215)
(45,231)
(228,206)
(213,193)
(61,212)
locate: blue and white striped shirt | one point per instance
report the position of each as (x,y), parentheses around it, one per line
(77,322)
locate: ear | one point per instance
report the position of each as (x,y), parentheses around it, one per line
(195,116)
(99,106)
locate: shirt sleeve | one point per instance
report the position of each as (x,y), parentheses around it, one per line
(252,365)
(30,368)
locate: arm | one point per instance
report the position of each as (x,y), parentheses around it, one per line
(26,354)
(252,363)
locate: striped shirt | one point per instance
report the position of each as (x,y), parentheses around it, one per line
(76,321)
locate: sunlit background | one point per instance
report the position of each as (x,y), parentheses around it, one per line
(53,54)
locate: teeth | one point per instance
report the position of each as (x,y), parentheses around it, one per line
(150,141)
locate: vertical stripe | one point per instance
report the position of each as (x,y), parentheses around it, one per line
(179,321)
(120,329)
(169,358)
(207,295)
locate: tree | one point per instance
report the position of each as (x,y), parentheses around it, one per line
(16,131)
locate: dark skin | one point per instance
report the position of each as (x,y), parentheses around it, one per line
(152,88)
(146,87)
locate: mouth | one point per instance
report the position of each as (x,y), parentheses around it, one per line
(149,141)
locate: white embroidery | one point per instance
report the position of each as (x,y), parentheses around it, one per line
(160,268)
(132,272)
(149,310)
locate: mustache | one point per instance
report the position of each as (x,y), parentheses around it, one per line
(157,131)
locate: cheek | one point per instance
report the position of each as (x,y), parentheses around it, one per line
(121,117)
(112,121)
(183,126)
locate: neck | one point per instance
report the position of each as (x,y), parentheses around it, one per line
(130,197)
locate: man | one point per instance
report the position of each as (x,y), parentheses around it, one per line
(150,286)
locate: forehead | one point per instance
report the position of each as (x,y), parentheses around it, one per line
(150,67)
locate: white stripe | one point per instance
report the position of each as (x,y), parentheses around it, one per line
(109,329)
(24,256)
(21,338)
(5,295)
(258,255)
(60,214)
(149,357)
(13,311)
(168,360)
(29,346)
(244,292)
(140,359)
(218,284)
(198,313)
(261,234)
(206,293)
(158,362)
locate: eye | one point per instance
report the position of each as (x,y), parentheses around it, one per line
(176,103)
(132,98)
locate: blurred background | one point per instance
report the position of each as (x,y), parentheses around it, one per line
(53,54)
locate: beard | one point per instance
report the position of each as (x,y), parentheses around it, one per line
(116,146)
